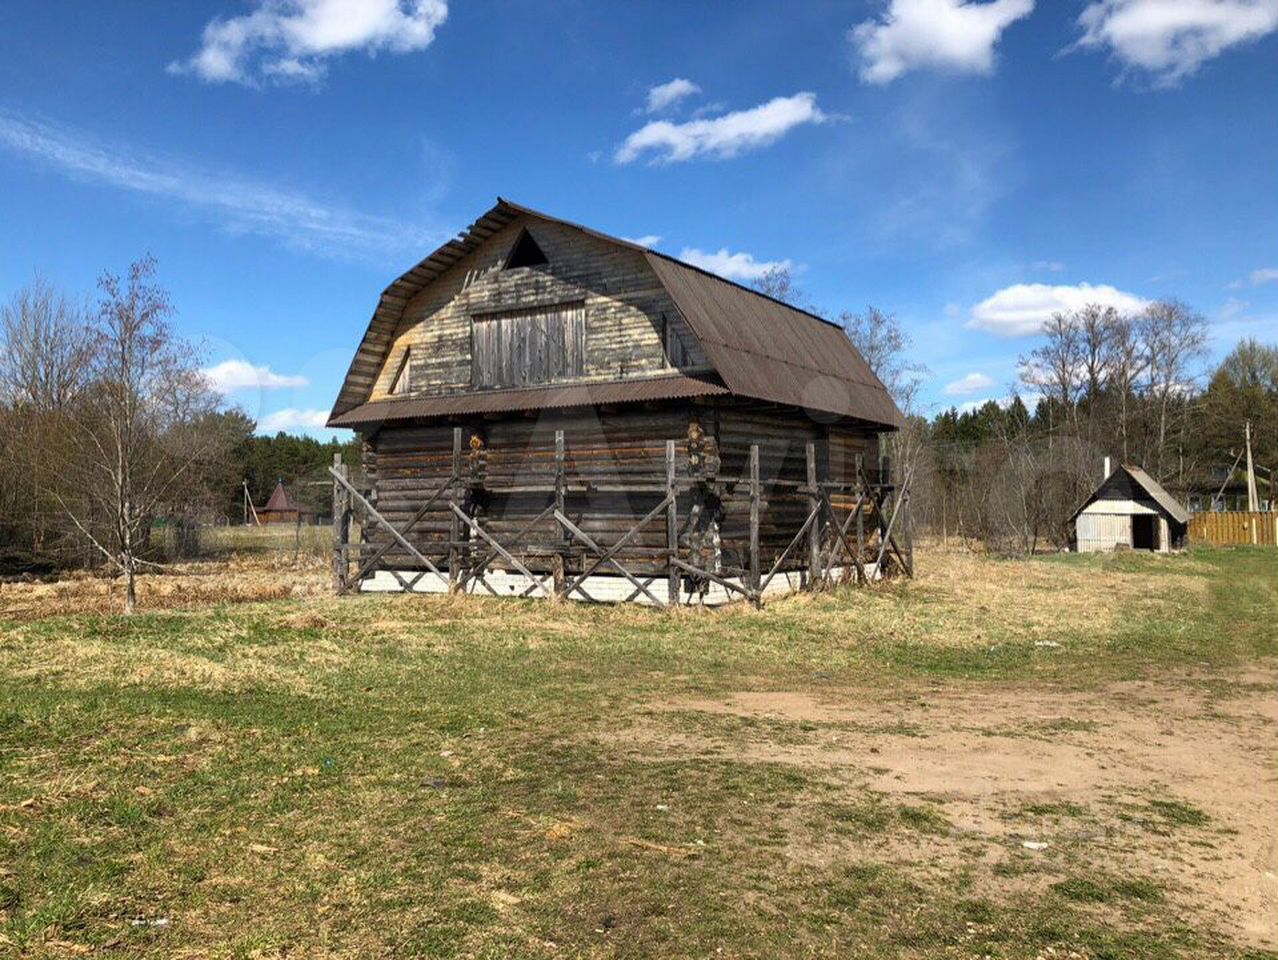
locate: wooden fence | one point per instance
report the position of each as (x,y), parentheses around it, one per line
(1233,528)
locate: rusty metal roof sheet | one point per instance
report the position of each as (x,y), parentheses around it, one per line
(760,347)
(546,397)
(768,350)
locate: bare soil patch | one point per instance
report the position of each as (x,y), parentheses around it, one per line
(1174,782)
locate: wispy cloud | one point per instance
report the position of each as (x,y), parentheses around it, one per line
(1021,309)
(291,418)
(647,240)
(1170,39)
(1256,278)
(238,203)
(723,136)
(972,383)
(1047,266)
(230,376)
(951,35)
(666,95)
(287,41)
(734,266)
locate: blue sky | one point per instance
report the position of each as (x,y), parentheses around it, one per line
(969,166)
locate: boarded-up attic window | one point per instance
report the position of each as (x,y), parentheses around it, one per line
(400,383)
(518,348)
(672,344)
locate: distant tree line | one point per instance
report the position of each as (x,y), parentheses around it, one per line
(109,428)
(1007,475)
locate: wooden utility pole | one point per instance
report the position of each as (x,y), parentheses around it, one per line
(1253,499)
(248,506)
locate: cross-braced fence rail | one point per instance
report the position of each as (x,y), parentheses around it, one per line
(851,530)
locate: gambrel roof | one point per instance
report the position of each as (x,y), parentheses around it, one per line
(759,347)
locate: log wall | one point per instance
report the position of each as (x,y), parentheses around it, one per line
(615,473)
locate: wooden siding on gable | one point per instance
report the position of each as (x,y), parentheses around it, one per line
(631,325)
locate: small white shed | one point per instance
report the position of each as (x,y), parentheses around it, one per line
(1130,509)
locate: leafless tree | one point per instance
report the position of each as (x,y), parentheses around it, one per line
(44,354)
(1124,368)
(777,282)
(1174,338)
(1055,367)
(136,436)
(883,343)
(1095,326)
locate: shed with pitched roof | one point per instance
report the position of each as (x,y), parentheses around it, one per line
(1129,510)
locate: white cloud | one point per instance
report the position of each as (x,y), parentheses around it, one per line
(971,383)
(288,40)
(291,418)
(723,136)
(1263,276)
(734,266)
(242,205)
(647,240)
(1021,309)
(952,35)
(232,375)
(1170,39)
(666,95)
(1029,399)
(1048,266)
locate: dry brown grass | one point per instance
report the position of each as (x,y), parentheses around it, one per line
(241,578)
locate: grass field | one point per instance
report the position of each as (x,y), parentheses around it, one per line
(1065,757)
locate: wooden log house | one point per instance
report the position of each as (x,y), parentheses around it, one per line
(549,411)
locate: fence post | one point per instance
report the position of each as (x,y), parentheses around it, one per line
(754,521)
(814,530)
(454,525)
(672,528)
(341,529)
(860,516)
(557,562)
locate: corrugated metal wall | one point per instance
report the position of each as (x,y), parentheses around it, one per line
(1103,531)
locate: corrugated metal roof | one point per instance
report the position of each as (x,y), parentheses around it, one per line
(760,347)
(1160,496)
(768,350)
(530,398)
(1165,500)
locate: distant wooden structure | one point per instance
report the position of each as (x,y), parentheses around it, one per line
(549,411)
(1129,510)
(282,508)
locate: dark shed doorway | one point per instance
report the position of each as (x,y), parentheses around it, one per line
(1144,532)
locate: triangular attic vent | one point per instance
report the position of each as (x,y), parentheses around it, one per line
(525,252)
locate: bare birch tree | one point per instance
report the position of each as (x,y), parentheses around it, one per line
(136,435)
